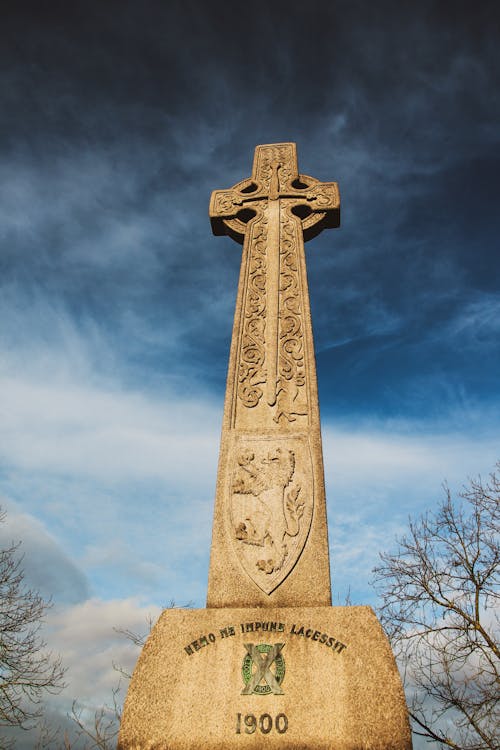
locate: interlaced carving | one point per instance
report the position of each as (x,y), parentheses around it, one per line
(224,201)
(291,397)
(251,368)
(291,400)
(275,155)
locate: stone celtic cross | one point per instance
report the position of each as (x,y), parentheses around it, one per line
(270,542)
(269,663)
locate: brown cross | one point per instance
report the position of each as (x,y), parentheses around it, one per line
(277,185)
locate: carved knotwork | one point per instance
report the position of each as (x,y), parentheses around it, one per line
(291,392)
(283,154)
(251,374)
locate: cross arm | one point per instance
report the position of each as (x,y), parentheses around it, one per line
(229,210)
(324,196)
(224,204)
(317,204)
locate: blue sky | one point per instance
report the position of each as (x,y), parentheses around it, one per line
(116,302)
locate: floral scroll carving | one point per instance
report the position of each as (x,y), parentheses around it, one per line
(291,398)
(252,353)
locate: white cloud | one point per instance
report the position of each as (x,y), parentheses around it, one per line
(127,479)
(67,427)
(47,568)
(477,321)
(86,638)
(377,476)
(394,452)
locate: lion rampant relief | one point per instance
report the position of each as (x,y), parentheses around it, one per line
(277,513)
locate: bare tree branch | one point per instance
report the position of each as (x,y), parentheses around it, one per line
(102,732)
(27,670)
(440,607)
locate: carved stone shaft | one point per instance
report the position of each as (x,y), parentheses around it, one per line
(268,664)
(270,539)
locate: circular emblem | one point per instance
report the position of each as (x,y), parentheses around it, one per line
(255,673)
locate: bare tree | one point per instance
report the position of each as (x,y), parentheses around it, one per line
(440,596)
(101,732)
(27,670)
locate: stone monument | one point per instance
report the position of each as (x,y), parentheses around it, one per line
(269,663)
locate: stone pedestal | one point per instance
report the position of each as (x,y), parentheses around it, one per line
(328,679)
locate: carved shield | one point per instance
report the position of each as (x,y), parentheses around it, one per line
(270,506)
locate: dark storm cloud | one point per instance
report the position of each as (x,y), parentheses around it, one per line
(119,119)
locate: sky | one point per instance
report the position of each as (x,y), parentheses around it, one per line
(117,120)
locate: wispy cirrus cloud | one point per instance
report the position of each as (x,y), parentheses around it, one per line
(377,476)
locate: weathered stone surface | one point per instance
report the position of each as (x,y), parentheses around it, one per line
(270,538)
(269,664)
(333,684)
